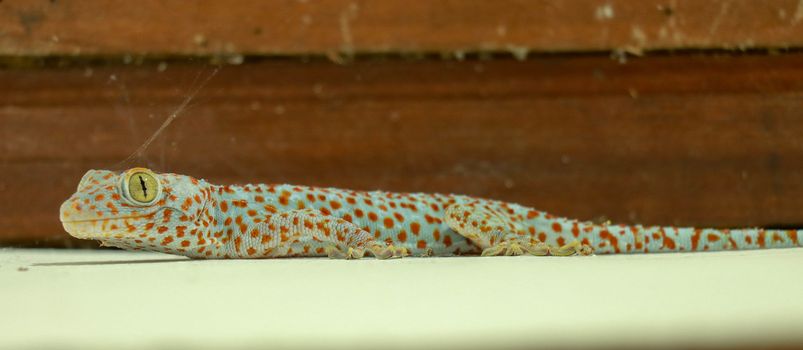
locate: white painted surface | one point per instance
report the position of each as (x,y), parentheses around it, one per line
(115,299)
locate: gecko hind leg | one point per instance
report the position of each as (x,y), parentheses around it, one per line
(498,235)
(491,231)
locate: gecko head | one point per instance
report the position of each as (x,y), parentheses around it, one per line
(136,209)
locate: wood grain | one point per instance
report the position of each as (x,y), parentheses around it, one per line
(340,28)
(687,140)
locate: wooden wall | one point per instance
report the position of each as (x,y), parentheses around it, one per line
(654,112)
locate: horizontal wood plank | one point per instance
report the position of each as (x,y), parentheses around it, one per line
(686,140)
(340,28)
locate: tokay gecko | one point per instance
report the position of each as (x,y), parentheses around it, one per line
(142,210)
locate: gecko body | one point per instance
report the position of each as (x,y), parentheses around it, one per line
(140,210)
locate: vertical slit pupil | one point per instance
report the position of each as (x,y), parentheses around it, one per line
(144,188)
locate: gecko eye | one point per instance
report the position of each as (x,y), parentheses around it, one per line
(141,186)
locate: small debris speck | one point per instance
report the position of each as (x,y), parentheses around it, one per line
(22,269)
(199,39)
(604,12)
(235,59)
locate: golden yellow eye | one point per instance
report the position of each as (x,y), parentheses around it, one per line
(142,186)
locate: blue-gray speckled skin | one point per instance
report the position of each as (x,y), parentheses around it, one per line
(195,218)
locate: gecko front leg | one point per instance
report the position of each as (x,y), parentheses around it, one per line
(307,232)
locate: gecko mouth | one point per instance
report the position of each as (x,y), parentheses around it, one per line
(104,219)
(99,228)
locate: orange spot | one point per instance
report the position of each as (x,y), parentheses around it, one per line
(712,237)
(398,217)
(358,213)
(542,237)
(531,214)
(161,229)
(310,197)
(284,200)
(185,243)
(447,240)
(421,244)
(252,212)
(259,199)
(695,238)
(762,238)
(167,215)
(561,241)
(335,205)
(668,242)
(415,228)
(325,211)
(388,223)
(114,209)
(611,238)
(237,242)
(792,236)
(436,235)
(556,227)
(372,216)
(402,236)
(224,206)
(251,250)
(167,240)
(348,218)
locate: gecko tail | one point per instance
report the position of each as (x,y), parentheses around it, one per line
(608,239)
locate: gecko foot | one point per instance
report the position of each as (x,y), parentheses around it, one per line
(573,248)
(513,247)
(381,251)
(351,253)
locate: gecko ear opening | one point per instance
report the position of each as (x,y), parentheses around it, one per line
(141,186)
